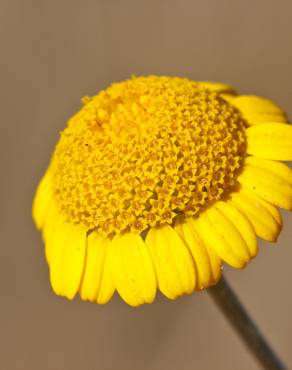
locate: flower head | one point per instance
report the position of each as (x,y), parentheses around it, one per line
(158,180)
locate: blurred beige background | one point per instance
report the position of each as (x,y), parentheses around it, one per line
(54,52)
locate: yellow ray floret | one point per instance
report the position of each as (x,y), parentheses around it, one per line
(66,264)
(107,286)
(173,262)
(53,220)
(156,183)
(256,105)
(132,269)
(93,266)
(257,110)
(224,239)
(218,87)
(42,199)
(216,265)
(270,141)
(241,223)
(278,168)
(267,184)
(259,202)
(258,212)
(205,274)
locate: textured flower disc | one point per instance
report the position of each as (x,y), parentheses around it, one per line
(146,151)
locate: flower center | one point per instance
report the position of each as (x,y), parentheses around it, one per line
(146,151)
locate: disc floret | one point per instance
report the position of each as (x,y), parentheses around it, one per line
(145,152)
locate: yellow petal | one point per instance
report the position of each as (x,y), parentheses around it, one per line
(218,87)
(107,287)
(54,241)
(241,223)
(53,220)
(93,268)
(270,141)
(274,211)
(48,223)
(216,265)
(67,262)
(261,219)
(267,185)
(220,234)
(42,200)
(173,262)
(261,119)
(188,233)
(257,110)
(278,168)
(228,97)
(132,269)
(257,105)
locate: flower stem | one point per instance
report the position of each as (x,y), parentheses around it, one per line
(238,317)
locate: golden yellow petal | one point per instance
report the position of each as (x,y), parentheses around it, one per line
(53,220)
(263,222)
(274,211)
(278,168)
(270,141)
(216,265)
(257,105)
(93,267)
(220,234)
(228,97)
(67,261)
(241,223)
(59,237)
(174,266)
(107,286)
(132,269)
(267,185)
(218,87)
(42,200)
(257,110)
(261,119)
(188,233)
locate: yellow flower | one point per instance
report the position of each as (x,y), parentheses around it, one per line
(156,182)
